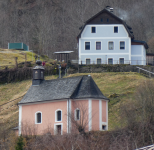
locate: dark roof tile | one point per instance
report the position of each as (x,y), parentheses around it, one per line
(73,87)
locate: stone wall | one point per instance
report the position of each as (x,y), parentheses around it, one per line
(106,68)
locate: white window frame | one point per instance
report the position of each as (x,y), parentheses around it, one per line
(120,58)
(55,128)
(118,29)
(105,127)
(85,46)
(96,61)
(101,46)
(125,46)
(36,117)
(86,61)
(56,115)
(91,29)
(75,117)
(108,46)
(108,61)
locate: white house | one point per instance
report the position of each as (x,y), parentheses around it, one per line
(107,39)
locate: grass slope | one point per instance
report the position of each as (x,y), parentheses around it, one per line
(123,84)
(7,57)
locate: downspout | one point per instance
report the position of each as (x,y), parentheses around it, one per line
(68,116)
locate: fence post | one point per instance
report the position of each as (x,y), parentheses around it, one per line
(138,70)
(149,75)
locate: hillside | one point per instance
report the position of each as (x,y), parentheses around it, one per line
(7,57)
(48,26)
(119,87)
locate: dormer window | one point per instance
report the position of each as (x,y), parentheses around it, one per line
(93,29)
(115,29)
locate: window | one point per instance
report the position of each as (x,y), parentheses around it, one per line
(111,45)
(107,20)
(58,116)
(110,61)
(41,74)
(99,61)
(101,19)
(36,74)
(87,61)
(77,114)
(122,45)
(38,118)
(93,29)
(121,60)
(115,29)
(87,45)
(103,127)
(98,45)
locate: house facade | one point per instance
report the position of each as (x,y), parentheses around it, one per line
(107,39)
(62,106)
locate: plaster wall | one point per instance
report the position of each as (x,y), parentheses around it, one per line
(48,116)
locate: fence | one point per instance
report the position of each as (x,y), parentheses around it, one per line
(111,61)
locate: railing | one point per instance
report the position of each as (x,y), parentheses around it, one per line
(150,74)
(110,61)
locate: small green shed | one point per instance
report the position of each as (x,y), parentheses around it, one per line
(18,46)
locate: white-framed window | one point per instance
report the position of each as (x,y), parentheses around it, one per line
(87,45)
(104,127)
(93,29)
(58,115)
(58,129)
(122,45)
(99,61)
(110,60)
(116,29)
(88,61)
(121,60)
(38,117)
(111,45)
(77,114)
(98,45)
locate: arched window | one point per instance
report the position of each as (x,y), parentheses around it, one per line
(58,115)
(38,117)
(77,114)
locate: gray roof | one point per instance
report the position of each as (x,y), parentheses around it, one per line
(66,88)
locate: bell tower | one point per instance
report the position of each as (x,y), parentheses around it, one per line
(38,73)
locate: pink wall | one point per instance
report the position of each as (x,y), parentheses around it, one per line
(48,116)
(83,105)
(104,111)
(95,114)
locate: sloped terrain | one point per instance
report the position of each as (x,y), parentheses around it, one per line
(118,87)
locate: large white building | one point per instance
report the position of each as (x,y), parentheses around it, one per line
(107,39)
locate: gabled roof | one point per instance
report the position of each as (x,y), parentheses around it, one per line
(66,88)
(128,28)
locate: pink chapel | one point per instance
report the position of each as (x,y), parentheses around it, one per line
(62,106)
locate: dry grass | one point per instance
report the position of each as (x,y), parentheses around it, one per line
(123,84)
(7,57)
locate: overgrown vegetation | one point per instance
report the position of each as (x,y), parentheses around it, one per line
(130,115)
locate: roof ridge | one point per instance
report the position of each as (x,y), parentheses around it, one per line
(73,93)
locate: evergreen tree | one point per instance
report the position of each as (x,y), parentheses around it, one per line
(20,143)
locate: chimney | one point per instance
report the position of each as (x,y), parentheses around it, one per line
(38,73)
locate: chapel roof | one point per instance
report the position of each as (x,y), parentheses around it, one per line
(80,87)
